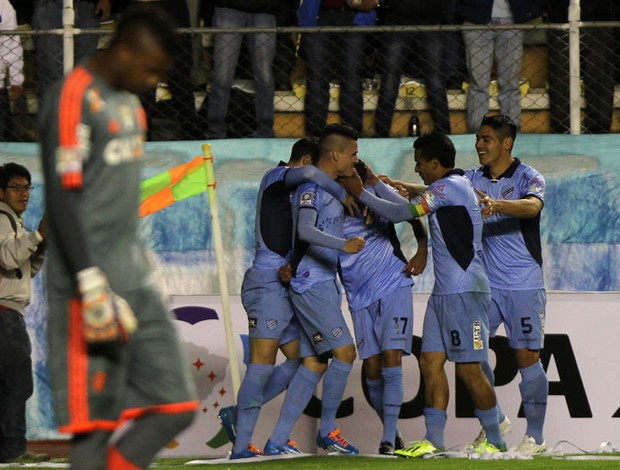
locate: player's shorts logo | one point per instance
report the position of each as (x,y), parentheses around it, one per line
(271,324)
(317,338)
(252,322)
(360,343)
(477,330)
(337,332)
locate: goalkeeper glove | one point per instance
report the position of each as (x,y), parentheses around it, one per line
(105,316)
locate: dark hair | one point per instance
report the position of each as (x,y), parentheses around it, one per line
(436,145)
(10,170)
(153,22)
(305,146)
(501,124)
(335,136)
(362,170)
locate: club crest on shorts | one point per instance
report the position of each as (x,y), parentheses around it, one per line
(360,343)
(317,338)
(477,331)
(251,322)
(271,324)
(337,332)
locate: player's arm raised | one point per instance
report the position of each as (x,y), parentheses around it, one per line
(308,232)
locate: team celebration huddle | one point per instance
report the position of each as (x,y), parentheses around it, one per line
(325,220)
(325,224)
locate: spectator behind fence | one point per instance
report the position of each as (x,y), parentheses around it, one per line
(286,44)
(335,55)
(23,10)
(505,45)
(49,48)
(398,46)
(174,117)
(597,65)
(11,64)
(262,46)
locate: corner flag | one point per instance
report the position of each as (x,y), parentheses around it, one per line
(164,189)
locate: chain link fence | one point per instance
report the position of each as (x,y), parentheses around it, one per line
(385,81)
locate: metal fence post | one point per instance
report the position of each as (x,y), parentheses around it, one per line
(68,20)
(574,15)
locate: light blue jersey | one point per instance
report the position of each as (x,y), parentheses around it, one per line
(512,248)
(313,263)
(273,220)
(377,270)
(456,234)
(274,223)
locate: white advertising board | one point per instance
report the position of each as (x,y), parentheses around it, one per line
(580,354)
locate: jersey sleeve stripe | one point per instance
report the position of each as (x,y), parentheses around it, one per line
(77,365)
(69,117)
(70,108)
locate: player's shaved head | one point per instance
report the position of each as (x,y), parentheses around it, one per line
(141,50)
(336,137)
(143,27)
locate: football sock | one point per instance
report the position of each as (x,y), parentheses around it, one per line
(488,371)
(393,399)
(334,383)
(534,389)
(435,421)
(375,395)
(282,375)
(249,401)
(297,396)
(490,423)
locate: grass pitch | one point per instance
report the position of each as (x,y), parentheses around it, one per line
(371,463)
(585,462)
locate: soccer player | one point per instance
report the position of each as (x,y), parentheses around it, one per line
(378,282)
(455,324)
(512,197)
(266,299)
(318,229)
(114,353)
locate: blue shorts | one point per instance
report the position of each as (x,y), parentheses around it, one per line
(457,325)
(320,315)
(267,303)
(523,315)
(386,324)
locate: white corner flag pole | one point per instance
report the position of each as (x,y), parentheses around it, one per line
(221,270)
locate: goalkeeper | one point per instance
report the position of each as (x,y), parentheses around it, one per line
(113,350)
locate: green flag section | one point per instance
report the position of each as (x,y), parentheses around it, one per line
(164,189)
